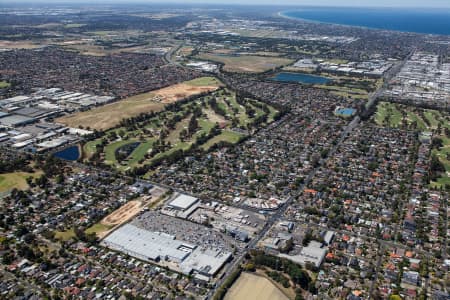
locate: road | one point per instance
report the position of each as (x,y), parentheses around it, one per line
(386,79)
(169,54)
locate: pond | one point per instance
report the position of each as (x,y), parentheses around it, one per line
(71,153)
(345,112)
(301,78)
(124,151)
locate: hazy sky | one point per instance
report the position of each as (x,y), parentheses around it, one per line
(383,3)
(386,3)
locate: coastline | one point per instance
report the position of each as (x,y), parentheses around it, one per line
(282,14)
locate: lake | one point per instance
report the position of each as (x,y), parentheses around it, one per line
(434,21)
(71,153)
(301,78)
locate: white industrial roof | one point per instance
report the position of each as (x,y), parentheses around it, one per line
(151,246)
(205,261)
(313,253)
(147,245)
(183,202)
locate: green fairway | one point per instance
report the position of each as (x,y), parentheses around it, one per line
(90,147)
(442,154)
(74,25)
(272,115)
(4,84)
(204,81)
(387,114)
(174,135)
(205,125)
(433,117)
(110,150)
(140,152)
(420,123)
(225,136)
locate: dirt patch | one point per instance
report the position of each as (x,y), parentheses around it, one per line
(181,91)
(123,214)
(17,45)
(110,115)
(253,287)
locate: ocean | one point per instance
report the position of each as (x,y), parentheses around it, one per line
(430,21)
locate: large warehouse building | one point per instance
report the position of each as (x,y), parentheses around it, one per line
(183,202)
(147,245)
(181,206)
(161,247)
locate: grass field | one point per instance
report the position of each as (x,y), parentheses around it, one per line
(99,229)
(65,235)
(109,115)
(253,287)
(9,181)
(204,81)
(4,84)
(111,149)
(246,63)
(74,25)
(225,136)
(89,148)
(342,86)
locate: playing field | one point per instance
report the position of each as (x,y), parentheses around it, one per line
(109,115)
(65,235)
(246,63)
(4,84)
(253,287)
(9,181)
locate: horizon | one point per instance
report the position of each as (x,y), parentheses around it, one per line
(433,4)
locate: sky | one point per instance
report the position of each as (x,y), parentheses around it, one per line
(354,3)
(381,3)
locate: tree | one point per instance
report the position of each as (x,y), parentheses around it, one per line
(193,125)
